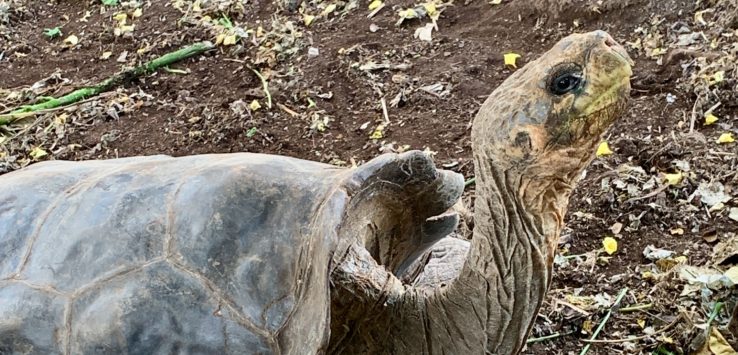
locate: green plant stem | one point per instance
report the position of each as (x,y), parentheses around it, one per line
(107,84)
(715,310)
(604,320)
(265,86)
(471,181)
(634,308)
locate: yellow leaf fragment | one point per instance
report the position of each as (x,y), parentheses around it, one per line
(511,59)
(430,8)
(72,40)
(106,55)
(610,245)
(717,343)
(254,105)
(726,138)
(330,8)
(673,179)
(378,132)
(121,17)
(123,29)
(495,2)
(61,119)
(137,13)
(229,40)
(699,19)
(718,77)
(710,119)
(587,326)
(603,149)
(375,4)
(307,19)
(677,231)
(219,38)
(658,51)
(641,323)
(408,14)
(38,153)
(667,264)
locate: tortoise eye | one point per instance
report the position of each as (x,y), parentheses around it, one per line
(566,80)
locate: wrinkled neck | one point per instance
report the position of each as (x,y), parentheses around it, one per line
(510,254)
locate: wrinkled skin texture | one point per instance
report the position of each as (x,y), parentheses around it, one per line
(264,254)
(530,144)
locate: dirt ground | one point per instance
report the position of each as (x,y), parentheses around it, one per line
(668,184)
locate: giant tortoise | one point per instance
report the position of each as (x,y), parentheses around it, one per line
(249,253)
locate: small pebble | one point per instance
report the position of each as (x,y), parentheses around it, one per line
(313,52)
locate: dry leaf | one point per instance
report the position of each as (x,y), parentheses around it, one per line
(378,132)
(307,19)
(330,8)
(603,149)
(673,179)
(375,4)
(72,40)
(610,245)
(106,55)
(710,119)
(38,153)
(511,59)
(229,40)
(254,105)
(425,33)
(726,138)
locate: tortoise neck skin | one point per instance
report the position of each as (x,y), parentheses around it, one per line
(531,140)
(530,146)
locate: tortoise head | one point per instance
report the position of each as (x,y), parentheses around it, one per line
(542,125)
(548,117)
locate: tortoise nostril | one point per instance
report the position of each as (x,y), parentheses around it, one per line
(610,42)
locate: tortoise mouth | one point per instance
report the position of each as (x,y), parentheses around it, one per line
(588,127)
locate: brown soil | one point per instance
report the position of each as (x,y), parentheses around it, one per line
(200,112)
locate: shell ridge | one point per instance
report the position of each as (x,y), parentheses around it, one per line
(82,185)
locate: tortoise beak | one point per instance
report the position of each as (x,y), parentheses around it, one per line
(616,48)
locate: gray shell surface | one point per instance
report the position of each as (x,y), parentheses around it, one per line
(206,254)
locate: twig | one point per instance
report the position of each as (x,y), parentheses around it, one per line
(384,112)
(573,307)
(604,320)
(623,340)
(547,337)
(288,110)
(109,83)
(639,307)
(694,114)
(713,108)
(379,8)
(648,195)
(265,85)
